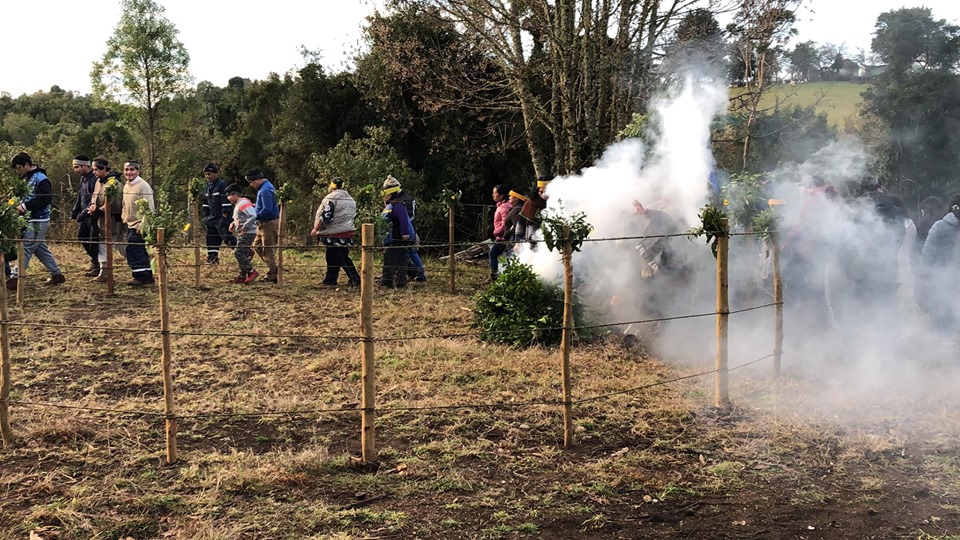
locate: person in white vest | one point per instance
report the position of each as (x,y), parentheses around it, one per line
(334,228)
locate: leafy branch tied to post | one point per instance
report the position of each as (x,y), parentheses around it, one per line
(552,223)
(713,226)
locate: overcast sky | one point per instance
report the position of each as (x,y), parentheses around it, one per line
(47,42)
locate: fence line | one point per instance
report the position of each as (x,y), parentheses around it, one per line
(135,331)
(367,341)
(403,408)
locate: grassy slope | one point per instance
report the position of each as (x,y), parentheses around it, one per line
(655,464)
(839,100)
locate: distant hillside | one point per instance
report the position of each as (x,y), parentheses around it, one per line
(839,100)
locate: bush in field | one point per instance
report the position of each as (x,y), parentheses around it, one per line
(520,310)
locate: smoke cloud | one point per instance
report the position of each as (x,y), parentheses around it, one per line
(849,257)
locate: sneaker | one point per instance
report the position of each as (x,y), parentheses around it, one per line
(328,284)
(12,284)
(269,279)
(55,280)
(251,277)
(102,278)
(421,279)
(239,280)
(139,283)
(93,272)
(213,262)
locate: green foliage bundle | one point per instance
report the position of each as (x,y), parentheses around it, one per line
(713,225)
(520,310)
(743,197)
(766,223)
(288,192)
(11,225)
(551,225)
(197,188)
(114,190)
(164,217)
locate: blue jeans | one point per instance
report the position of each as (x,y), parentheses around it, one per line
(137,256)
(415,262)
(34,244)
(496,250)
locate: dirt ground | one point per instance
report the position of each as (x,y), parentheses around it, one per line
(269,430)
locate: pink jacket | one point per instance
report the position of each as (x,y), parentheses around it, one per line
(500,219)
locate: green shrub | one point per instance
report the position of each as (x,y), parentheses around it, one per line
(520,310)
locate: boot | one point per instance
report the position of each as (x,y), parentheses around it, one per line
(494,276)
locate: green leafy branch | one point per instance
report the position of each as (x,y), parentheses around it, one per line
(450,197)
(766,224)
(713,225)
(288,192)
(552,223)
(164,217)
(196,188)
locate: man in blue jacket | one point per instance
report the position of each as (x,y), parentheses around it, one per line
(268,224)
(217,213)
(36,206)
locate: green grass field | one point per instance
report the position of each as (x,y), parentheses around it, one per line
(839,100)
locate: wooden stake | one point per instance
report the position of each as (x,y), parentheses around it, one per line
(566,337)
(778,304)
(280,245)
(108,240)
(452,260)
(171,420)
(722,391)
(196,244)
(5,431)
(21,272)
(368,444)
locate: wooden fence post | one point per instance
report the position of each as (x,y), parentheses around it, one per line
(453,260)
(566,338)
(170,419)
(5,431)
(778,303)
(21,272)
(368,443)
(196,244)
(108,241)
(280,244)
(722,391)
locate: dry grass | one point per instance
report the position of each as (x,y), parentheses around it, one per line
(461,472)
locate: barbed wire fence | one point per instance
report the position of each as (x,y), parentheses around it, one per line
(368,409)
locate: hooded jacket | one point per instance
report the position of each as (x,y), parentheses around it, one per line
(87,184)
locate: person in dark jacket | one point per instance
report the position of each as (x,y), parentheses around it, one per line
(36,206)
(415,269)
(936,290)
(87,230)
(217,213)
(931,210)
(398,239)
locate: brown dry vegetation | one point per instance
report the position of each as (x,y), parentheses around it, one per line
(659,463)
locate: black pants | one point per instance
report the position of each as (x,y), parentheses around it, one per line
(217,235)
(89,235)
(137,257)
(395,264)
(339,257)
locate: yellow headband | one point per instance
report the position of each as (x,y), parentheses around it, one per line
(517,195)
(390,190)
(333,185)
(542,183)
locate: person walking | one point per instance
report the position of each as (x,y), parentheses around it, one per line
(106,217)
(268,224)
(244,225)
(87,231)
(35,205)
(334,228)
(399,238)
(134,190)
(217,213)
